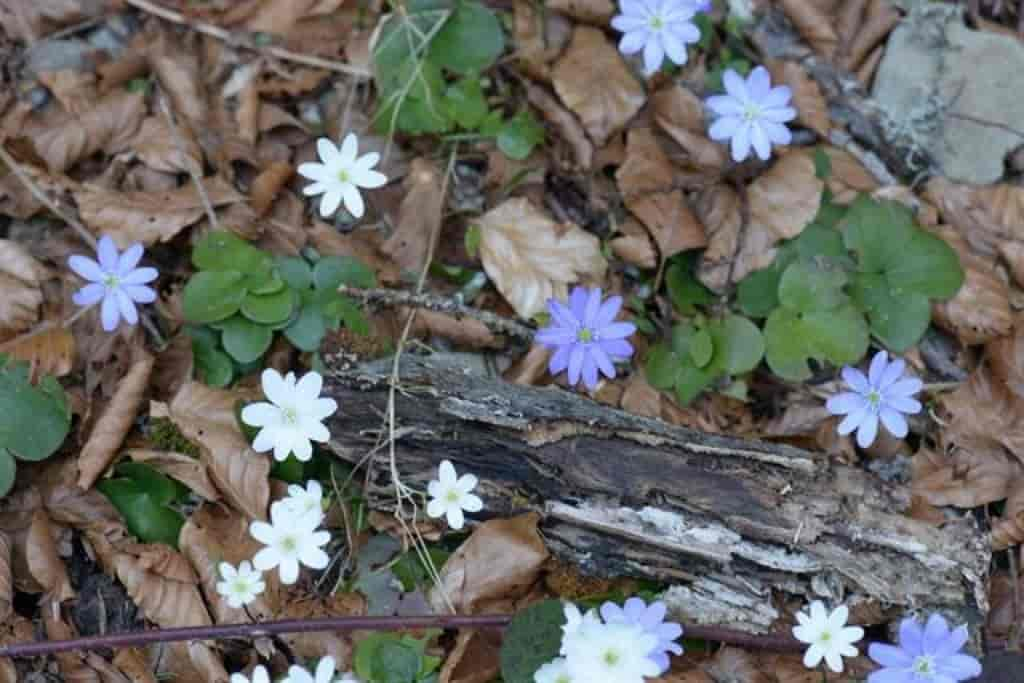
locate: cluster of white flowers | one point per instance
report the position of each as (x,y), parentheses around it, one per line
(325,672)
(625,645)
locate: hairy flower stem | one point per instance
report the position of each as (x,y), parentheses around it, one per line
(270,628)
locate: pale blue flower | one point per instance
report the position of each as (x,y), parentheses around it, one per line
(586,337)
(651,618)
(116,281)
(660,28)
(883,395)
(752,114)
(924,655)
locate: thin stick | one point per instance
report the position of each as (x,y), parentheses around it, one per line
(441,304)
(179,142)
(38,193)
(228,37)
(780,643)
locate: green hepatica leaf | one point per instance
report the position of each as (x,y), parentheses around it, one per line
(470,41)
(661,367)
(806,286)
(758,293)
(701,348)
(466,102)
(269,308)
(878,232)
(738,344)
(791,338)
(223,250)
(897,321)
(244,340)
(684,289)
(142,495)
(210,296)
(295,272)
(531,640)
(34,420)
(690,381)
(928,266)
(332,271)
(7,471)
(308,330)
(519,135)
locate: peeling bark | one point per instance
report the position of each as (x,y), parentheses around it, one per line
(729,524)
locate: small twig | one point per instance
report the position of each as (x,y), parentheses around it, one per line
(441,304)
(869,159)
(38,193)
(192,172)
(228,37)
(986,123)
(780,643)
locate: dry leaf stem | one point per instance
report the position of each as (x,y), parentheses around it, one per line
(179,142)
(441,304)
(232,39)
(781,643)
(38,193)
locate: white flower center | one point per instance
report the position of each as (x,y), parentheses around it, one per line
(452,496)
(751,111)
(289,416)
(563,678)
(586,335)
(924,665)
(874,399)
(344,176)
(611,658)
(241,586)
(826,637)
(289,544)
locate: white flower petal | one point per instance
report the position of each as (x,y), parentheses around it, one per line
(106,251)
(845,403)
(654,55)
(86,268)
(128,259)
(867,431)
(89,295)
(265,440)
(275,388)
(724,127)
(353,200)
(109,313)
(261,414)
(370,179)
(472,503)
(740,147)
(318,172)
(330,202)
(437,507)
(894,422)
(327,152)
(349,149)
(446,474)
(734,84)
(456,519)
(857,380)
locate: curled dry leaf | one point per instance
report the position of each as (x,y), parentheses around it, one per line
(206,416)
(476,658)
(463,332)
(966,479)
(1008,530)
(159,148)
(645,180)
(133,663)
(814,25)
(30,21)
(808,100)
(73,668)
(20,279)
(563,120)
(594,82)
(268,184)
(781,202)
(591,11)
(982,414)
(500,561)
(215,534)
(680,113)
(640,398)
(848,177)
(980,310)
(166,602)
(186,469)
(539,38)
(419,217)
(862,35)
(634,245)
(114,424)
(337,645)
(6,579)
(50,352)
(531,258)
(43,561)
(162,560)
(990,218)
(178,72)
(149,217)
(108,126)
(75,90)
(734,664)
(1006,358)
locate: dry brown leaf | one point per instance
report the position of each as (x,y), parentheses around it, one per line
(634,245)
(30,21)
(20,279)
(563,121)
(687,676)
(1008,530)
(982,414)
(267,185)
(539,38)
(733,665)
(640,398)
(43,561)
(166,602)
(337,645)
(215,534)
(1006,358)
(813,24)
(782,202)
(108,126)
(501,560)
(134,664)
(645,180)
(116,421)
(980,310)
(161,149)
(848,178)
(591,11)
(186,469)
(149,217)
(73,668)
(419,217)
(880,18)
(594,82)
(530,258)
(50,352)
(75,90)
(206,416)
(966,479)
(990,218)
(180,78)
(6,580)
(808,100)
(680,113)
(462,332)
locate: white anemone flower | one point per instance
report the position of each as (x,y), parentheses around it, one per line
(293,418)
(259,675)
(555,671)
(239,586)
(116,280)
(827,636)
(617,652)
(451,495)
(305,501)
(290,540)
(659,28)
(324,673)
(340,175)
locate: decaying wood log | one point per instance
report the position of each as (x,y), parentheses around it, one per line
(732,525)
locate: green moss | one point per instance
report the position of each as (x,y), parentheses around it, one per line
(165,436)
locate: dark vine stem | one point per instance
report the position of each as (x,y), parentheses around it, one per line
(780,643)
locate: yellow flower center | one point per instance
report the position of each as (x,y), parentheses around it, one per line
(657,23)
(452,496)
(289,544)
(343,176)
(289,416)
(611,657)
(924,664)
(751,111)
(585,335)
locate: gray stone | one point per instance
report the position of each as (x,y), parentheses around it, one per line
(955,92)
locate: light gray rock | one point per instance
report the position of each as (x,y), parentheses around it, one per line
(957,93)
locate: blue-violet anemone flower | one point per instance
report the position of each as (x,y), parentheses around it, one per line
(651,618)
(115,280)
(884,394)
(585,336)
(924,655)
